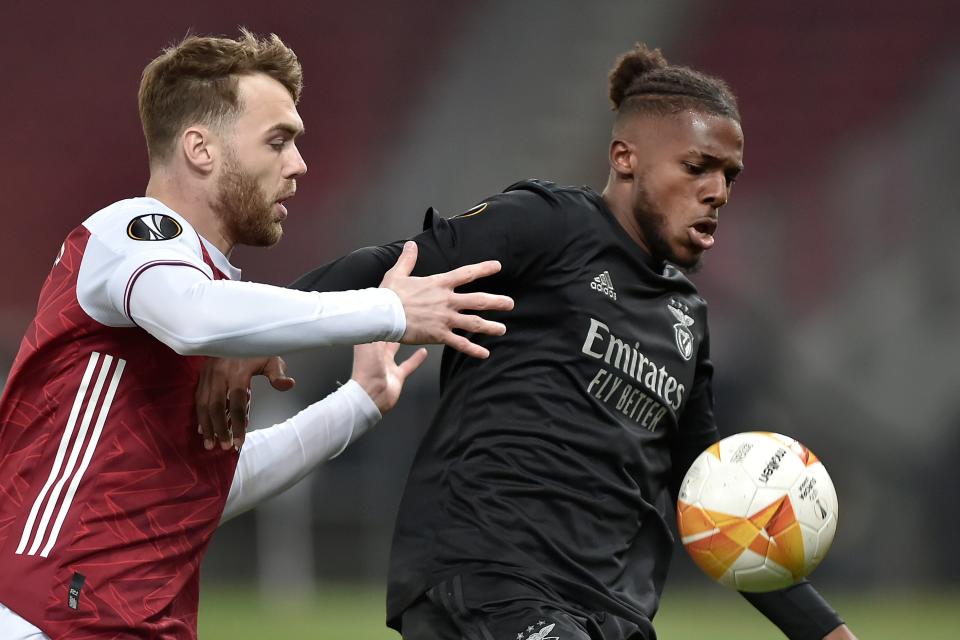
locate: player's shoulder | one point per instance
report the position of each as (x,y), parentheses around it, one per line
(140,224)
(555,195)
(536,201)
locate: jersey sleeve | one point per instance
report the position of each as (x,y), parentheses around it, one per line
(799,611)
(519,227)
(123,243)
(196,316)
(148,270)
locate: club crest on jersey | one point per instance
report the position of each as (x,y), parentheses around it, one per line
(154,226)
(681,330)
(533,633)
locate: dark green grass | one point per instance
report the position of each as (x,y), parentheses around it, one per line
(356,613)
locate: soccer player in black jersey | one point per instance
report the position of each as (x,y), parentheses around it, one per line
(537,507)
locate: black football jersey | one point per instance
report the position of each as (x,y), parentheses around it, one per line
(553,460)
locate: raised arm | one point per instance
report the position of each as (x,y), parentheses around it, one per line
(194,315)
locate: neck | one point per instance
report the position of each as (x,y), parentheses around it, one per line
(616,195)
(193,204)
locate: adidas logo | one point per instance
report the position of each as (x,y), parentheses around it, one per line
(604,285)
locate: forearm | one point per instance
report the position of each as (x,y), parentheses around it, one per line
(196,316)
(799,611)
(274,459)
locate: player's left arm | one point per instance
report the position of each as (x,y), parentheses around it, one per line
(697,428)
(799,611)
(274,459)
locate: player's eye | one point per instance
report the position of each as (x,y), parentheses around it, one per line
(694,168)
(278,145)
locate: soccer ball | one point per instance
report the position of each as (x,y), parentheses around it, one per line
(757,511)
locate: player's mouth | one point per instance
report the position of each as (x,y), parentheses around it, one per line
(701,233)
(280,207)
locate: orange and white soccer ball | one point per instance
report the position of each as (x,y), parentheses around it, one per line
(757,511)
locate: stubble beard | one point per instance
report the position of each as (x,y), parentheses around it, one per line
(653,226)
(244,209)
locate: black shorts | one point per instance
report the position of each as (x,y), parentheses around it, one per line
(483,608)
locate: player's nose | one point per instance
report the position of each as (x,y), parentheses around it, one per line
(716,192)
(296,166)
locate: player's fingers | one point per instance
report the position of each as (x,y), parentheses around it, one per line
(464,345)
(471,272)
(405,263)
(238,404)
(219,417)
(476,324)
(202,399)
(412,363)
(483,302)
(276,372)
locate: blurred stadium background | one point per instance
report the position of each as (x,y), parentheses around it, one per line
(834,289)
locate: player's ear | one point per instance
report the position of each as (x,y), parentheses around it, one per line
(621,158)
(198,147)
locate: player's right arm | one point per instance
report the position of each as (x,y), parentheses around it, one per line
(194,315)
(163,285)
(513,228)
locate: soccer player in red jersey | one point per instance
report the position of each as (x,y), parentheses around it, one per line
(107,497)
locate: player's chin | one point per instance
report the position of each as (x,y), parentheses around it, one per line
(687,259)
(274,234)
(265,236)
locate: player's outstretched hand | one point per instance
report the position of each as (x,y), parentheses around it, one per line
(223,396)
(376,370)
(434,309)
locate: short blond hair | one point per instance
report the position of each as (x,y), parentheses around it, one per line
(196,82)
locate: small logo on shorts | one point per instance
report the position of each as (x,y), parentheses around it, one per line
(538,634)
(153,227)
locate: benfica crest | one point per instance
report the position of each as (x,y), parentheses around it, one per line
(681,330)
(538,634)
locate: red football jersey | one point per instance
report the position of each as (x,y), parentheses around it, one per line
(108,499)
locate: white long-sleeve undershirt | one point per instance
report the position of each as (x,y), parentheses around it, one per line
(143,264)
(193,315)
(275,458)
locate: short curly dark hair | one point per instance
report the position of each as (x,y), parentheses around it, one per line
(642,81)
